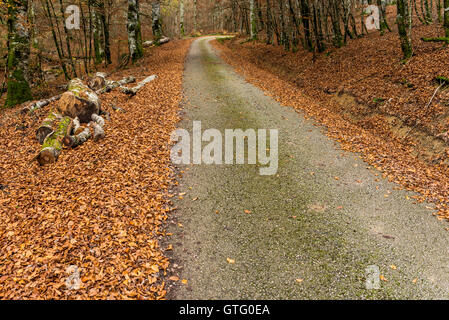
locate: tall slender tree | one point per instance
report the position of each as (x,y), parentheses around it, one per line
(134,31)
(181,18)
(403,20)
(18,88)
(252,19)
(156,20)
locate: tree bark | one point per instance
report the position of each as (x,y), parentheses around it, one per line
(446,18)
(134,31)
(133,91)
(77,139)
(181,18)
(18,88)
(403,21)
(156,21)
(46,127)
(51,149)
(252,19)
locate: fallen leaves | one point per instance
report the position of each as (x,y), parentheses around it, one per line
(230,261)
(355,117)
(101,207)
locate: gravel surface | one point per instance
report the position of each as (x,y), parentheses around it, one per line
(314,227)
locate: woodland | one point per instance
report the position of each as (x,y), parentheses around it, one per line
(90,91)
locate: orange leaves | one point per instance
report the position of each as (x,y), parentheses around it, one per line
(365,116)
(102,206)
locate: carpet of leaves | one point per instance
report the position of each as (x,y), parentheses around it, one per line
(366,68)
(101,206)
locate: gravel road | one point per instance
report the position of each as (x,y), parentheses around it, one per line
(313,228)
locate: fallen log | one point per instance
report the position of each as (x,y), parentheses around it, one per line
(97,125)
(98,131)
(39,104)
(133,91)
(76,126)
(80,101)
(51,149)
(100,84)
(161,41)
(436,39)
(97,82)
(98,119)
(46,127)
(110,85)
(77,139)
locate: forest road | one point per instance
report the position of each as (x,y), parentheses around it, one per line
(319,228)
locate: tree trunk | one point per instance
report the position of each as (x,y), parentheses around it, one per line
(305,13)
(269,24)
(104,24)
(59,48)
(18,88)
(181,18)
(446,18)
(134,32)
(46,127)
(51,149)
(335,18)
(96,29)
(133,91)
(252,19)
(195,16)
(403,21)
(78,138)
(318,31)
(156,21)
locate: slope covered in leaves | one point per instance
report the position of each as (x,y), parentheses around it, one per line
(369,73)
(101,206)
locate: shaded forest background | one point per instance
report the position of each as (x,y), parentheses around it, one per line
(103,38)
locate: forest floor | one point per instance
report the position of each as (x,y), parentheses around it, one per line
(307,232)
(101,206)
(369,101)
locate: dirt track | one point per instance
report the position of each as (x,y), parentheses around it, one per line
(314,227)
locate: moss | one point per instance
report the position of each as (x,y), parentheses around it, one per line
(18,89)
(53,141)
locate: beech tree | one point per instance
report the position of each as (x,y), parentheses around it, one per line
(181,18)
(252,20)
(403,20)
(18,88)
(134,31)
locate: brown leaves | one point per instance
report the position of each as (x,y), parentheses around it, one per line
(362,117)
(101,207)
